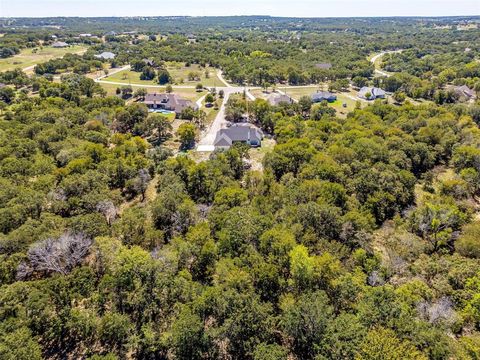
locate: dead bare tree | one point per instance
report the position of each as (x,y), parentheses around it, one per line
(108,209)
(55,255)
(439,311)
(141,182)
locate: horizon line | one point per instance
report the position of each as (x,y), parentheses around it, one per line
(243,15)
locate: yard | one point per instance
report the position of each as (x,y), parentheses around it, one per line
(211,112)
(347,98)
(258,154)
(179,72)
(189,94)
(28,58)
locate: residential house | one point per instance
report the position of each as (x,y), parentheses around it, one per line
(276,99)
(464,92)
(372,92)
(169,102)
(246,134)
(323,96)
(60,44)
(106,55)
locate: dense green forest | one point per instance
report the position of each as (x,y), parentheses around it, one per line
(358,239)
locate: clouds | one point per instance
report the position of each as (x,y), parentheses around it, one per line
(300,8)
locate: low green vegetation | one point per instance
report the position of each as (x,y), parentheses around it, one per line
(29,57)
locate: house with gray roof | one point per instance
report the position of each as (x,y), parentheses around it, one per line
(276,99)
(60,44)
(371,93)
(169,102)
(320,96)
(246,134)
(106,55)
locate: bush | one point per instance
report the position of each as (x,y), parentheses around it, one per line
(468,244)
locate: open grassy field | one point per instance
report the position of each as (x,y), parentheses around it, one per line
(178,71)
(189,94)
(129,76)
(28,57)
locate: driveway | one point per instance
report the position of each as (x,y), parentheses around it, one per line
(208,138)
(113,71)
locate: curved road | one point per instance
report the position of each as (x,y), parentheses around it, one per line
(208,137)
(374,59)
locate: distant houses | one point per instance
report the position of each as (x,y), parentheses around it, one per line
(323,96)
(276,99)
(371,93)
(246,134)
(106,55)
(169,102)
(60,44)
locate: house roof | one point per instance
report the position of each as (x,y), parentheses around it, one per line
(323,95)
(378,92)
(60,44)
(105,55)
(276,99)
(374,92)
(171,101)
(226,137)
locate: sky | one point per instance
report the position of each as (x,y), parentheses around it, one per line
(293,8)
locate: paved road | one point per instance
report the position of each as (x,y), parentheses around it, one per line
(111,72)
(200,101)
(220,76)
(208,138)
(377,56)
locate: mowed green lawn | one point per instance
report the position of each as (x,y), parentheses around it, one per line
(128,76)
(28,58)
(189,94)
(178,71)
(297,93)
